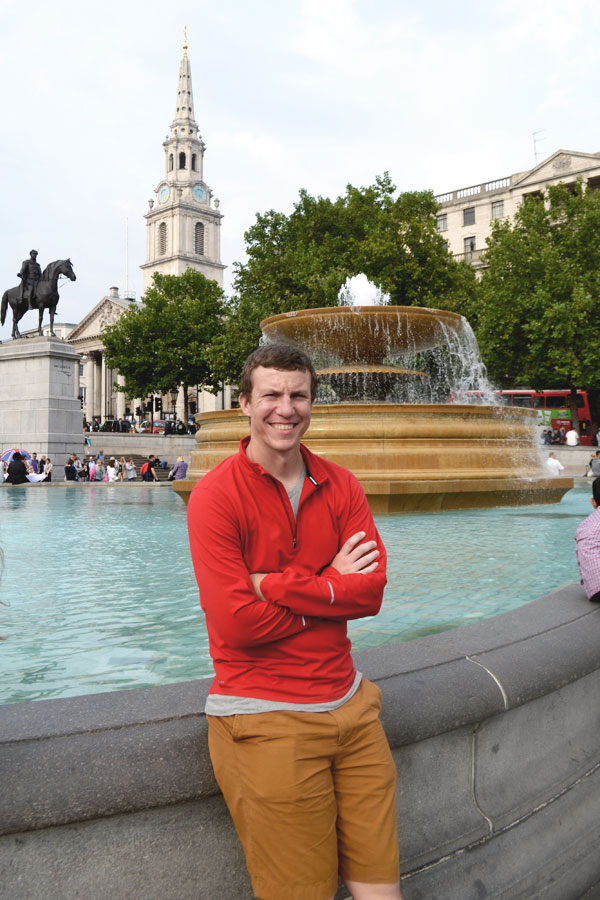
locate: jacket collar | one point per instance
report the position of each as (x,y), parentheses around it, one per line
(315,470)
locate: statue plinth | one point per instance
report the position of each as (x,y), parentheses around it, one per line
(40,410)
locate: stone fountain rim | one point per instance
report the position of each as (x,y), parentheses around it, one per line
(443,409)
(324,311)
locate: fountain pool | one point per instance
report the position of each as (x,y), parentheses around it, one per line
(100,594)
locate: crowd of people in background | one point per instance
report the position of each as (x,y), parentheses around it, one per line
(96,468)
(132,426)
(561,436)
(20,469)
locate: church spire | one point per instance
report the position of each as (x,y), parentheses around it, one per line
(184,222)
(184,122)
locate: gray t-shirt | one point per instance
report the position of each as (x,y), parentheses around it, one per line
(226,705)
(296,492)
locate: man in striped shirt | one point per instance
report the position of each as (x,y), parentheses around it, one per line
(587,547)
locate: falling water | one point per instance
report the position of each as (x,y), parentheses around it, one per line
(455,371)
(367,351)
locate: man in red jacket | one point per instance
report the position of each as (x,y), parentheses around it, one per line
(285,552)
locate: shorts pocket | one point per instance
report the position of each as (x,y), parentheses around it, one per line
(373,695)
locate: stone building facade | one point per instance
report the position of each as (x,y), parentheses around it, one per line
(465,216)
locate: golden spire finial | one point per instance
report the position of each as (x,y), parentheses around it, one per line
(185,40)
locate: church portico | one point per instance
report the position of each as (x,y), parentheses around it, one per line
(101,400)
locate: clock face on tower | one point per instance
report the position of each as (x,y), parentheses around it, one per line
(163,194)
(199,193)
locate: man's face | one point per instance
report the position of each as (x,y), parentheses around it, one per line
(279,408)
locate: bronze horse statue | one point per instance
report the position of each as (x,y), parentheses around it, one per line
(46,296)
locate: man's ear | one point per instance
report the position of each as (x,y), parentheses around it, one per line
(593,502)
(243,401)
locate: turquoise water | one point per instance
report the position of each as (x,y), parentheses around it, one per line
(100,594)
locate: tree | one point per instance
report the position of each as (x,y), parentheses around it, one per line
(537,316)
(165,342)
(302,261)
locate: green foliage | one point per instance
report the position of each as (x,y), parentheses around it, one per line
(537,315)
(302,261)
(166,342)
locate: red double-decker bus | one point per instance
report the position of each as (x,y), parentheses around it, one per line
(554,409)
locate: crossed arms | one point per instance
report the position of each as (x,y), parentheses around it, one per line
(247,608)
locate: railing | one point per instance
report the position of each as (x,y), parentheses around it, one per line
(496,185)
(471,256)
(485,188)
(468,192)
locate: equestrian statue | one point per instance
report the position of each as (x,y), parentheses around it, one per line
(38,290)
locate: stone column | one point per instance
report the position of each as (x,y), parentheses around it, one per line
(120,399)
(97,386)
(90,386)
(103,390)
(180,405)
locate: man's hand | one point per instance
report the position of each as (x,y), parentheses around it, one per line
(256,578)
(356,557)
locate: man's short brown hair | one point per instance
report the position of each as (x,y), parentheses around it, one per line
(277,356)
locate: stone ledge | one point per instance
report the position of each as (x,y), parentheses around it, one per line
(493,729)
(431,685)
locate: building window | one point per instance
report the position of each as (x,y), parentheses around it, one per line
(194,162)
(81,370)
(469,215)
(498,209)
(199,239)
(442,222)
(162,238)
(469,246)
(170,162)
(182,160)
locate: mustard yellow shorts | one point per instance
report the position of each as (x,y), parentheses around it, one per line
(311,795)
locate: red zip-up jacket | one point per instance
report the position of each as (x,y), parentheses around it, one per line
(293,647)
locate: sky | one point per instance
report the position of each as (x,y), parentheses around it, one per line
(312,94)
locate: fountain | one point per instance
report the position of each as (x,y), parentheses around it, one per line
(387,374)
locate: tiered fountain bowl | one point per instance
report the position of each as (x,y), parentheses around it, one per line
(407,455)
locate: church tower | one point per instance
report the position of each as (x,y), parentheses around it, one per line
(183,224)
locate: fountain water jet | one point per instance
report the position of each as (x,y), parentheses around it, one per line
(387,374)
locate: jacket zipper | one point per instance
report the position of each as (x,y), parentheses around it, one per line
(286,503)
(293,521)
